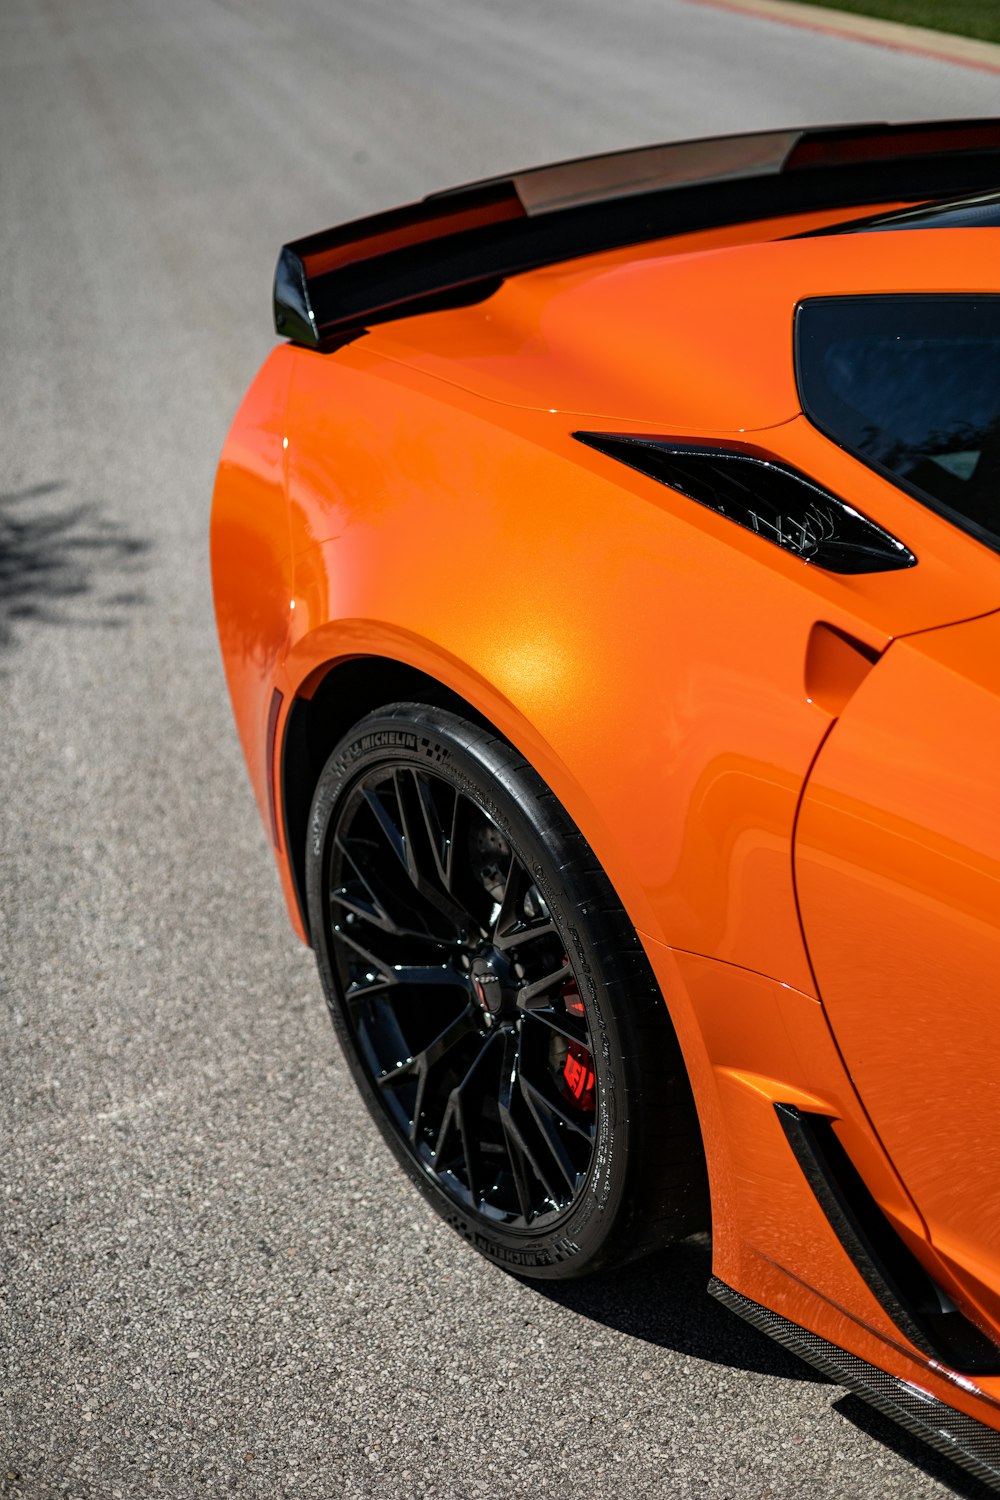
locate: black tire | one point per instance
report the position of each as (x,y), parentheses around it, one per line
(493,1001)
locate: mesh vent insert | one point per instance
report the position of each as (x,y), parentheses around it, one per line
(766,497)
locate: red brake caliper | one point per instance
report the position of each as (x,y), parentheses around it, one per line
(578,1069)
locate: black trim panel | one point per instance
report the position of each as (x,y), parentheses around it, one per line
(969,1443)
(982,211)
(298,776)
(277,698)
(919,1308)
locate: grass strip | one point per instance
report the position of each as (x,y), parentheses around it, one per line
(975,18)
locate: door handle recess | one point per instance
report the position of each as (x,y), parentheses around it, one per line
(836,666)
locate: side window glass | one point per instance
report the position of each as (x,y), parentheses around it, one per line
(911,385)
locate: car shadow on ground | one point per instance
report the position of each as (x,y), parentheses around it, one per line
(662,1300)
(64,563)
(861,1415)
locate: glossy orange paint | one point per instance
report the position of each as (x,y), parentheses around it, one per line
(898,868)
(252,560)
(699,340)
(418,496)
(572,686)
(748,1043)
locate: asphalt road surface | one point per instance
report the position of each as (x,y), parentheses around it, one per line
(214,1281)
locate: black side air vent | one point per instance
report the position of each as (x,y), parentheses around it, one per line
(778,503)
(916,1304)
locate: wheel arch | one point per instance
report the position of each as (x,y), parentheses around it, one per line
(340,689)
(335,697)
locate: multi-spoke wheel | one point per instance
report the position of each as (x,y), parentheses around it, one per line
(493,1001)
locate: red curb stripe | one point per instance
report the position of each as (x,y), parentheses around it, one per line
(846,34)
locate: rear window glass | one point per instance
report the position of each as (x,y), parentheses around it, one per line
(911,385)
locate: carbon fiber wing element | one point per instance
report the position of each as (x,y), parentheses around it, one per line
(458,246)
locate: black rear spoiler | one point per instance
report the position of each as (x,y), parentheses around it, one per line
(457,246)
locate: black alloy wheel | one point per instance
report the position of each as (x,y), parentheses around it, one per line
(490,997)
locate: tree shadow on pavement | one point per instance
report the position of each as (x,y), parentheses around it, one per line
(63,564)
(663,1300)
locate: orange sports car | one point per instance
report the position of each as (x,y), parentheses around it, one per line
(607,582)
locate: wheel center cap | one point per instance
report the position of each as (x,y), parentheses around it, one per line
(493,984)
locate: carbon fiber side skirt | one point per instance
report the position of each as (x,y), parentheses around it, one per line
(968,1443)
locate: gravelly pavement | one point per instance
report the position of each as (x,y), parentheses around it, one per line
(213,1282)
